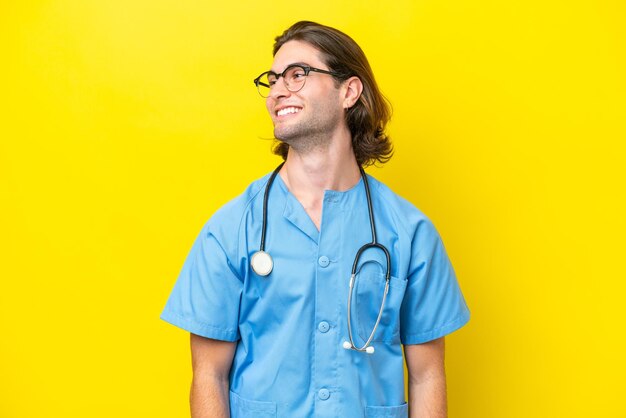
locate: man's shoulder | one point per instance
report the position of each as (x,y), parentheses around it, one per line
(406,214)
(395,201)
(233,211)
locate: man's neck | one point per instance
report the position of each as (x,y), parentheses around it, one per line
(308,175)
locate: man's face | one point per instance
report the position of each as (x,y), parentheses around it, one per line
(310,116)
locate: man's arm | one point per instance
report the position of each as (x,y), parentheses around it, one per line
(211,361)
(427,379)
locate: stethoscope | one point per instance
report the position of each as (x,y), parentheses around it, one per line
(262,263)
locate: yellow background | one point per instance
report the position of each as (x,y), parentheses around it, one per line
(125,124)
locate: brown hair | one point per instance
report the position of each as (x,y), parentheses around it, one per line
(369,115)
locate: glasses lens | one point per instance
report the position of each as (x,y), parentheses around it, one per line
(294,78)
(264,82)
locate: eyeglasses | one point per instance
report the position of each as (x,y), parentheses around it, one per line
(294,78)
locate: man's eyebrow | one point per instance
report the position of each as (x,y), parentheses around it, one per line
(304,64)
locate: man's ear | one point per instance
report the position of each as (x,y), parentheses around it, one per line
(352,89)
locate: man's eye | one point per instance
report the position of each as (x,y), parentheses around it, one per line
(271,82)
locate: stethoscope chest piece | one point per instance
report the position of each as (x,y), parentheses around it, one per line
(262,263)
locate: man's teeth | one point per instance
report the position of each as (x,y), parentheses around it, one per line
(287,110)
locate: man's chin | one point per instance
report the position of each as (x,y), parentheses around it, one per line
(285,136)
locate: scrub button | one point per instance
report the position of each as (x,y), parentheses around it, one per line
(323,261)
(323,394)
(323,326)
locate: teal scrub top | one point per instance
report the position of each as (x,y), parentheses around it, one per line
(290,326)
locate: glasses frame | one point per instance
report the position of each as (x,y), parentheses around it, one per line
(307,69)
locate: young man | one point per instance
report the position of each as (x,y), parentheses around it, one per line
(316,328)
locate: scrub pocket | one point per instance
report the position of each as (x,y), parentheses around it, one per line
(244,408)
(401,411)
(369,291)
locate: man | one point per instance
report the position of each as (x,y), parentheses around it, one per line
(309,331)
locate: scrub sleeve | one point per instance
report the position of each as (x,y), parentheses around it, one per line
(205,298)
(433,304)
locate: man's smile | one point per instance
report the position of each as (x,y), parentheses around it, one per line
(287,110)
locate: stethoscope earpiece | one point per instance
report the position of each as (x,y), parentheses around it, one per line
(348,346)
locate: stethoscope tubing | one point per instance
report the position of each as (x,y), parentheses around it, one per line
(265,199)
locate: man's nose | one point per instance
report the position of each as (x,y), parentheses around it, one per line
(279,89)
